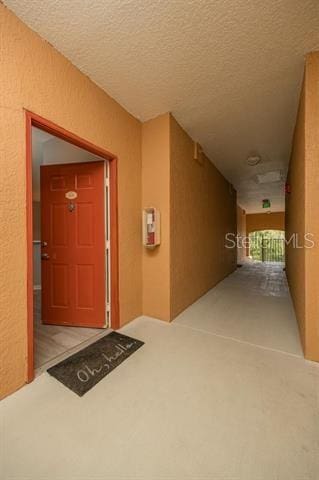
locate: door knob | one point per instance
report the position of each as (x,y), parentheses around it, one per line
(45,256)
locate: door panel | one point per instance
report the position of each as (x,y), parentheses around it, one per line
(58,220)
(59,285)
(73,245)
(85,224)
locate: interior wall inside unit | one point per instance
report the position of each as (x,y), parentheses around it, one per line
(50,150)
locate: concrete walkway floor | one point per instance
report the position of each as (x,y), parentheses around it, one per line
(221,393)
(252,305)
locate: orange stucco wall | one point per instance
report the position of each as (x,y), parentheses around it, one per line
(34,76)
(156,193)
(197,208)
(265,221)
(203,210)
(295,219)
(302,264)
(155,167)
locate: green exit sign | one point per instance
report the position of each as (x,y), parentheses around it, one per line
(266,203)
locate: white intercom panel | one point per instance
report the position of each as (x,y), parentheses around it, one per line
(151,227)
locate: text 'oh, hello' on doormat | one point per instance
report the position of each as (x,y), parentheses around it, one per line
(86,368)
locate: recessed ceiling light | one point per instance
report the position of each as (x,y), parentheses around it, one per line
(269,177)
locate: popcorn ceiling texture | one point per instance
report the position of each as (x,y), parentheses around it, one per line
(36,77)
(230,71)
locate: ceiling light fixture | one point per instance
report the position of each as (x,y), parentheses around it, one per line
(269,177)
(253,160)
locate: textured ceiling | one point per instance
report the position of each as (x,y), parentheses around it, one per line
(229,70)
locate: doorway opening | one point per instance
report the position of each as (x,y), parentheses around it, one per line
(267,246)
(72,243)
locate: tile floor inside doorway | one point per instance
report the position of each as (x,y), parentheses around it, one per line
(52,343)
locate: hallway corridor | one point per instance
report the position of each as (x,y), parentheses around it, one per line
(223,392)
(149,148)
(252,305)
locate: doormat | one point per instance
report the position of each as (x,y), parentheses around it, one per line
(86,368)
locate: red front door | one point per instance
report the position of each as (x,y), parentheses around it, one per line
(73,244)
